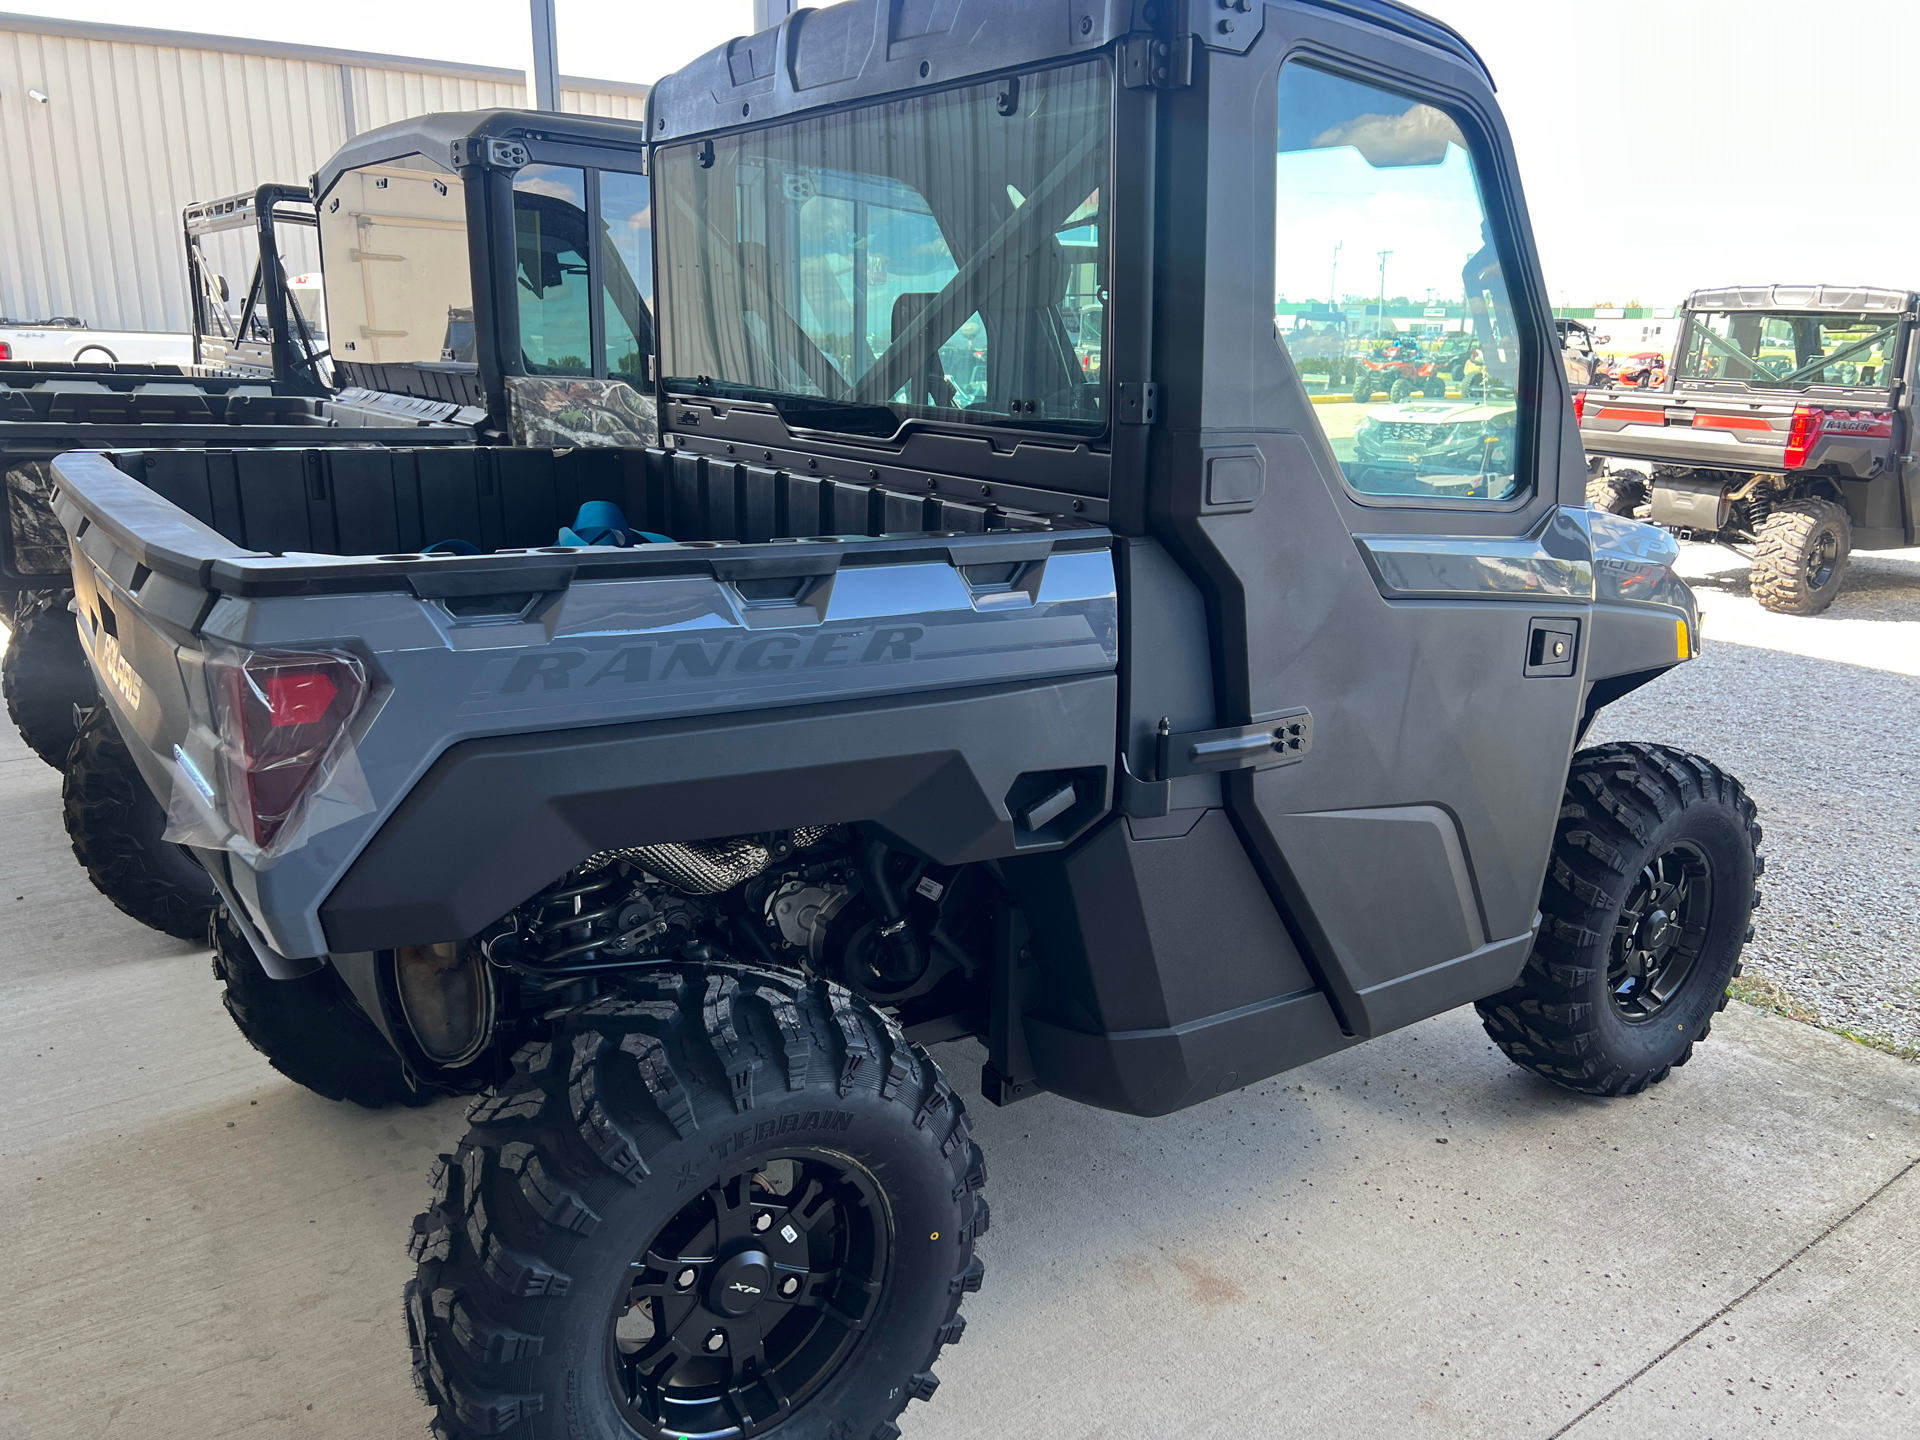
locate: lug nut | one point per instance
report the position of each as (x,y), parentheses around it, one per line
(763,1222)
(684,1280)
(716,1342)
(790,1286)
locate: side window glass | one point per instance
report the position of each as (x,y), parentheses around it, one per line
(1388,292)
(626,269)
(550,269)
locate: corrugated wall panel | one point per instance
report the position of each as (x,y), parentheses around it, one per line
(615,106)
(135,129)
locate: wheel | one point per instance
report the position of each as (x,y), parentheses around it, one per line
(115,824)
(720,1202)
(1434,388)
(1363,387)
(45,675)
(1401,391)
(309,1029)
(1647,904)
(1615,494)
(1801,557)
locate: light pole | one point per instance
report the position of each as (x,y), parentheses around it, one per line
(1383,288)
(546,58)
(1333,293)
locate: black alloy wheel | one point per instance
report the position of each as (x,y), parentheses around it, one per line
(751,1298)
(1662,927)
(1821,558)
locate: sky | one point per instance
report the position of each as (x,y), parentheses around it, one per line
(1665,145)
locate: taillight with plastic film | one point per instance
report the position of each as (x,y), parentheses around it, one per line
(1803,432)
(283,719)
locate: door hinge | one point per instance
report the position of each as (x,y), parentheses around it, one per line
(1149,61)
(1136,402)
(1279,739)
(491,153)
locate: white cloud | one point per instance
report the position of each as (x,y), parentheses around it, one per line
(1419,136)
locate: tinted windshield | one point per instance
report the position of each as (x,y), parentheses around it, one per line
(938,258)
(1789,349)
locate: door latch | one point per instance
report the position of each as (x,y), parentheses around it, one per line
(1279,739)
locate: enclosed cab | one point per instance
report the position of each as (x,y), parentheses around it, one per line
(499,259)
(1783,426)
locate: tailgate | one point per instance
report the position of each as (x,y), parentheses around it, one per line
(1658,426)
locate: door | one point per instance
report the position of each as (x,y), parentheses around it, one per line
(1379,528)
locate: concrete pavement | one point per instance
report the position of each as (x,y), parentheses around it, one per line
(1414,1238)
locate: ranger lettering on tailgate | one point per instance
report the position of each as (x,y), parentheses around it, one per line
(683,659)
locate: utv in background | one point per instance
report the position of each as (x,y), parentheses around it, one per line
(1583,364)
(410,374)
(1782,430)
(260,379)
(1118,715)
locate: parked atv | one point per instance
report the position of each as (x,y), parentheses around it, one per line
(1402,372)
(1784,432)
(1083,716)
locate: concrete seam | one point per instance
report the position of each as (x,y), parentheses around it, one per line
(1737,1300)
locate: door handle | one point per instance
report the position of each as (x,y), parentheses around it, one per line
(1553,647)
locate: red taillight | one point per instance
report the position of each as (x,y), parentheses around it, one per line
(299,697)
(282,718)
(1579,407)
(1802,434)
(6,351)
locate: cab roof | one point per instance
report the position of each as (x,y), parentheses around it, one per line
(435,136)
(866,48)
(1844,298)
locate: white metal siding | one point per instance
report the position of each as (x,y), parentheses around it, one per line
(138,124)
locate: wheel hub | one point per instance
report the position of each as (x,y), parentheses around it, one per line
(741,1284)
(1661,931)
(749,1300)
(1658,933)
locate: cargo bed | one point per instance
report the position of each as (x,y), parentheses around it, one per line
(931,660)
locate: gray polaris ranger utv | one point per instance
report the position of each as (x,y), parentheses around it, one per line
(1023,659)
(1785,426)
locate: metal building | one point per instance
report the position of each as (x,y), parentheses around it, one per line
(109,130)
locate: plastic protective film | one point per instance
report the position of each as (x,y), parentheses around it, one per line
(277,765)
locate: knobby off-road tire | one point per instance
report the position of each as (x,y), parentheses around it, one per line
(1801,557)
(1615,494)
(309,1029)
(115,824)
(45,675)
(1647,904)
(710,1137)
